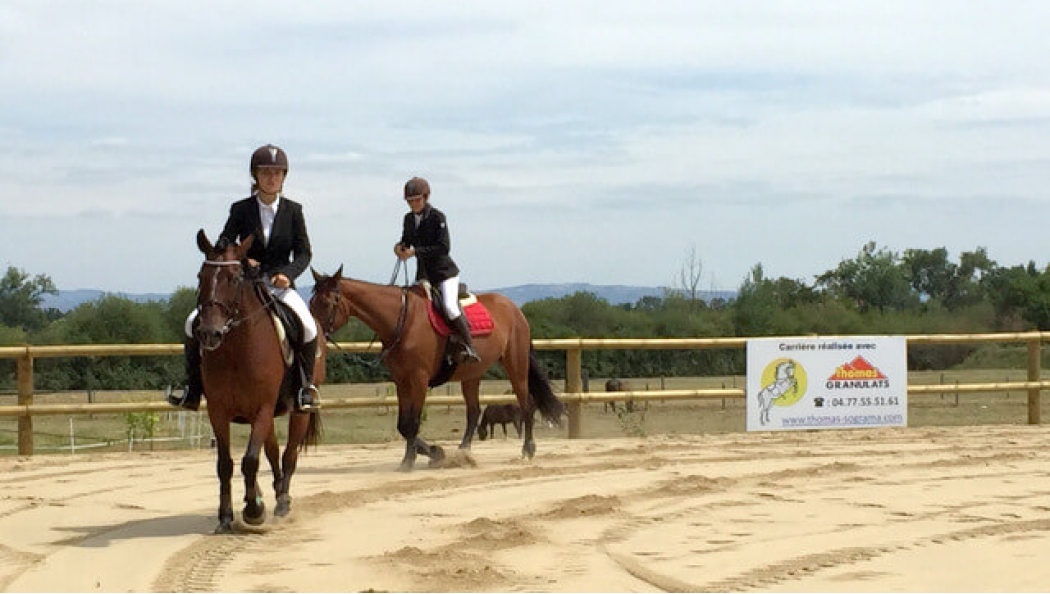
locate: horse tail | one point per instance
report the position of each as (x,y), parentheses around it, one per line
(542,393)
(314,431)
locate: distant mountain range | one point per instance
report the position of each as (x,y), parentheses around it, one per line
(521,294)
(67,300)
(614,294)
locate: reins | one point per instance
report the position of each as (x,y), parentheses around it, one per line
(399,329)
(233,314)
(401,318)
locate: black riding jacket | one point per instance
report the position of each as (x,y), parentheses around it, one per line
(288,251)
(432,244)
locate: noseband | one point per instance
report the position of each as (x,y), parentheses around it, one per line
(329,323)
(232,312)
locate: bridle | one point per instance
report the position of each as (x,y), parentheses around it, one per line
(328,324)
(232,312)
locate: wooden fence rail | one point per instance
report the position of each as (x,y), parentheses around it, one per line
(573,396)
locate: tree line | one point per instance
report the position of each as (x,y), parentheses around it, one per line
(879,291)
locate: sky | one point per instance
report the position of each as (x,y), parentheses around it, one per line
(601,142)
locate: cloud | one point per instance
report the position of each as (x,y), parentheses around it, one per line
(567,141)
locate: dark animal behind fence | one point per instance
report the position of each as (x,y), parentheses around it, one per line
(617,385)
(501,414)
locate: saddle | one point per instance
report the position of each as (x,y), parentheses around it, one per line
(289,333)
(478,318)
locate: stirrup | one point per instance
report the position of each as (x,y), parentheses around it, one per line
(308,399)
(469,355)
(183,400)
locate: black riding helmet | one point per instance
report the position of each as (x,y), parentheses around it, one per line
(270,157)
(416,186)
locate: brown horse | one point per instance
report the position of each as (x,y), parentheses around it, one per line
(243,367)
(413,352)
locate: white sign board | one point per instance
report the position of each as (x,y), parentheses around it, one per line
(826,383)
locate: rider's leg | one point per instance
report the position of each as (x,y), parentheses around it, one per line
(306,353)
(190,398)
(458,321)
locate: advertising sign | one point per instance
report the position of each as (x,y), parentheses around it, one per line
(826,383)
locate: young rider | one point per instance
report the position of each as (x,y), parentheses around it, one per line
(425,236)
(281,250)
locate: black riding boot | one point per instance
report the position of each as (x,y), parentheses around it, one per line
(309,397)
(190,399)
(462,328)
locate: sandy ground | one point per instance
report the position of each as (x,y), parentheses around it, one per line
(929,509)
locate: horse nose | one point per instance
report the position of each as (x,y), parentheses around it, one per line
(210,338)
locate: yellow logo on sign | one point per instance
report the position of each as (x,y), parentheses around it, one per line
(783,382)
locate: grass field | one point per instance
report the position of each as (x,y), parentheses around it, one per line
(444,424)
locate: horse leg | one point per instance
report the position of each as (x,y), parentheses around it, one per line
(297,426)
(254,508)
(520,385)
(224,469)
(273,456)
(409,409)
(471,389)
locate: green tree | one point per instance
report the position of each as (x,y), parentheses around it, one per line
(1021,292)
(930,273)
(178,306)
(20,299)
(873,280)
(109,320)
(756,304)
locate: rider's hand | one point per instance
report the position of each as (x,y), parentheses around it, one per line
(280,281)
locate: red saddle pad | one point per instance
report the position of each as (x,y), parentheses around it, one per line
(478,319)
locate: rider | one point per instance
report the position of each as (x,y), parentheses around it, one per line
(281,250)
(425,236)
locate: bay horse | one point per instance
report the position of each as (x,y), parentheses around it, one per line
(413,352)
(243,367)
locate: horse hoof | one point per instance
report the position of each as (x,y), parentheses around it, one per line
(437,457)
(254,517)
(284,506)
(437,453)
(224,528)
(528,451)
(405,467)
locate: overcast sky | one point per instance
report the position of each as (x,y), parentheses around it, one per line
(565,141)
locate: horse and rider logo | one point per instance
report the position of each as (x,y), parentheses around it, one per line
(784,383)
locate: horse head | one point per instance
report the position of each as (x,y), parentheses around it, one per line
(324,303)
(219,288)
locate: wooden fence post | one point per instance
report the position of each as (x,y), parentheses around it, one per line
(574,384)
(25,398)
(1034,371)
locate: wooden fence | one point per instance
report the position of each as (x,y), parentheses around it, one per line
(573,396)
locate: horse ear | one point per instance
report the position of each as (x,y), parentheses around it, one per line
(245,246)
(338,273)
(203,244)
(317,277)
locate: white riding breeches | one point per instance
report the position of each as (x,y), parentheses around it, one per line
(450,297)
(289,297)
